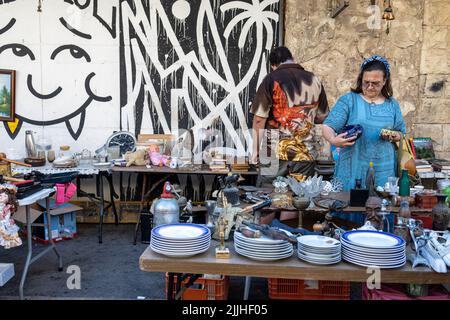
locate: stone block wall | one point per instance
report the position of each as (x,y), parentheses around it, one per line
(417,47)
(433,116)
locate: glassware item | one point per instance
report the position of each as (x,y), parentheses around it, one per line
(401,228)
(44,144)
(211,208)
(63,151)
(441,214)
(113,152)
(384,213)
(86,157)
(41,154)
(443,184)
(51,155)
(370,180)
(393,185)
(404,184)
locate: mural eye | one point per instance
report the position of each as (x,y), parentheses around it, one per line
(74,50)
(18,49)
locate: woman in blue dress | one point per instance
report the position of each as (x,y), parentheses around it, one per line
(372,106)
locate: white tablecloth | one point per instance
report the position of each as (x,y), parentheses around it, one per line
(36,197)
(86,169)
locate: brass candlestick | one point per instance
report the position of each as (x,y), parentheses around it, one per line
(222,252)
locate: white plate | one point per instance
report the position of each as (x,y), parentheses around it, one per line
(322,262)
(263,253)
(179,249)
(373,255)
(373,239)
(181,242)
(319,256)
(316,251)
(274,247)
(262,239)
(178,254)
(315,241)
(363,264)
(273,253)
(259,258)
(181,231)
(186,244)
(261,250)
(372,251)
(261,244)
(374,261)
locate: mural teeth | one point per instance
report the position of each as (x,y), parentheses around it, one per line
(75,125)
(13,127)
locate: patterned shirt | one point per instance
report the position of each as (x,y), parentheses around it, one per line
(293,100)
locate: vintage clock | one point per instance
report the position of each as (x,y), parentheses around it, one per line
(124,139)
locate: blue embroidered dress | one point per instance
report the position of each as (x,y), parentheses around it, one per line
(354,161)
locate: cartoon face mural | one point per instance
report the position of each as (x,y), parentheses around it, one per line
(60,54)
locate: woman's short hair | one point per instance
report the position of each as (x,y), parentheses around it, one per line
(387,91)
(280,55)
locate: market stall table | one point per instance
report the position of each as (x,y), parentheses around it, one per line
(86,171)
(27,202)
(290,268)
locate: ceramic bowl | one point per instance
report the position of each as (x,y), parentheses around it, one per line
(353,130)
(301,202)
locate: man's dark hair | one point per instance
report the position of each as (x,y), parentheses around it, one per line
(280,55)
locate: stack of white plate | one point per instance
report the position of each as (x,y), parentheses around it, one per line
(180,239)
(373,248)
(263,248)
(319,249)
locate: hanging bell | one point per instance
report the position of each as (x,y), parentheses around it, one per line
(388,14)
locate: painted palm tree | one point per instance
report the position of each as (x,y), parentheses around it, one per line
(254,13)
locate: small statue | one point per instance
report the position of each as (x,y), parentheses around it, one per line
(222,252)
(373,207)
(9,236)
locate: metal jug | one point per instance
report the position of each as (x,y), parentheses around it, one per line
(166,210)
(30,145)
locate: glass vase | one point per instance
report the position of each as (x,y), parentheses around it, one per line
(441,214)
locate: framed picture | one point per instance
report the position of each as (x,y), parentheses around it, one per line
(7,94)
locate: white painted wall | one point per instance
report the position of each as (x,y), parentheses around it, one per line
(43,33)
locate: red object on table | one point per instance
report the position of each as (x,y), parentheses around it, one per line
(293,289)
(398,292)
(425,201)
(203,288)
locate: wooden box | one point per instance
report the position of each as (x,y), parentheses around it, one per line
(426,201)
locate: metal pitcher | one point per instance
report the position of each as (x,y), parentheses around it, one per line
(166,209)
(30,144)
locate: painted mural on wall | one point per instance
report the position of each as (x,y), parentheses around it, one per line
(88,67)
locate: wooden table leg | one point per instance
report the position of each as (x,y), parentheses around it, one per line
(300,219)
(141,207)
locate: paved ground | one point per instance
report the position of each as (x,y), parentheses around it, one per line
(108,271)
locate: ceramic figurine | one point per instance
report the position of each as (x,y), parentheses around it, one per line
(9,237)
